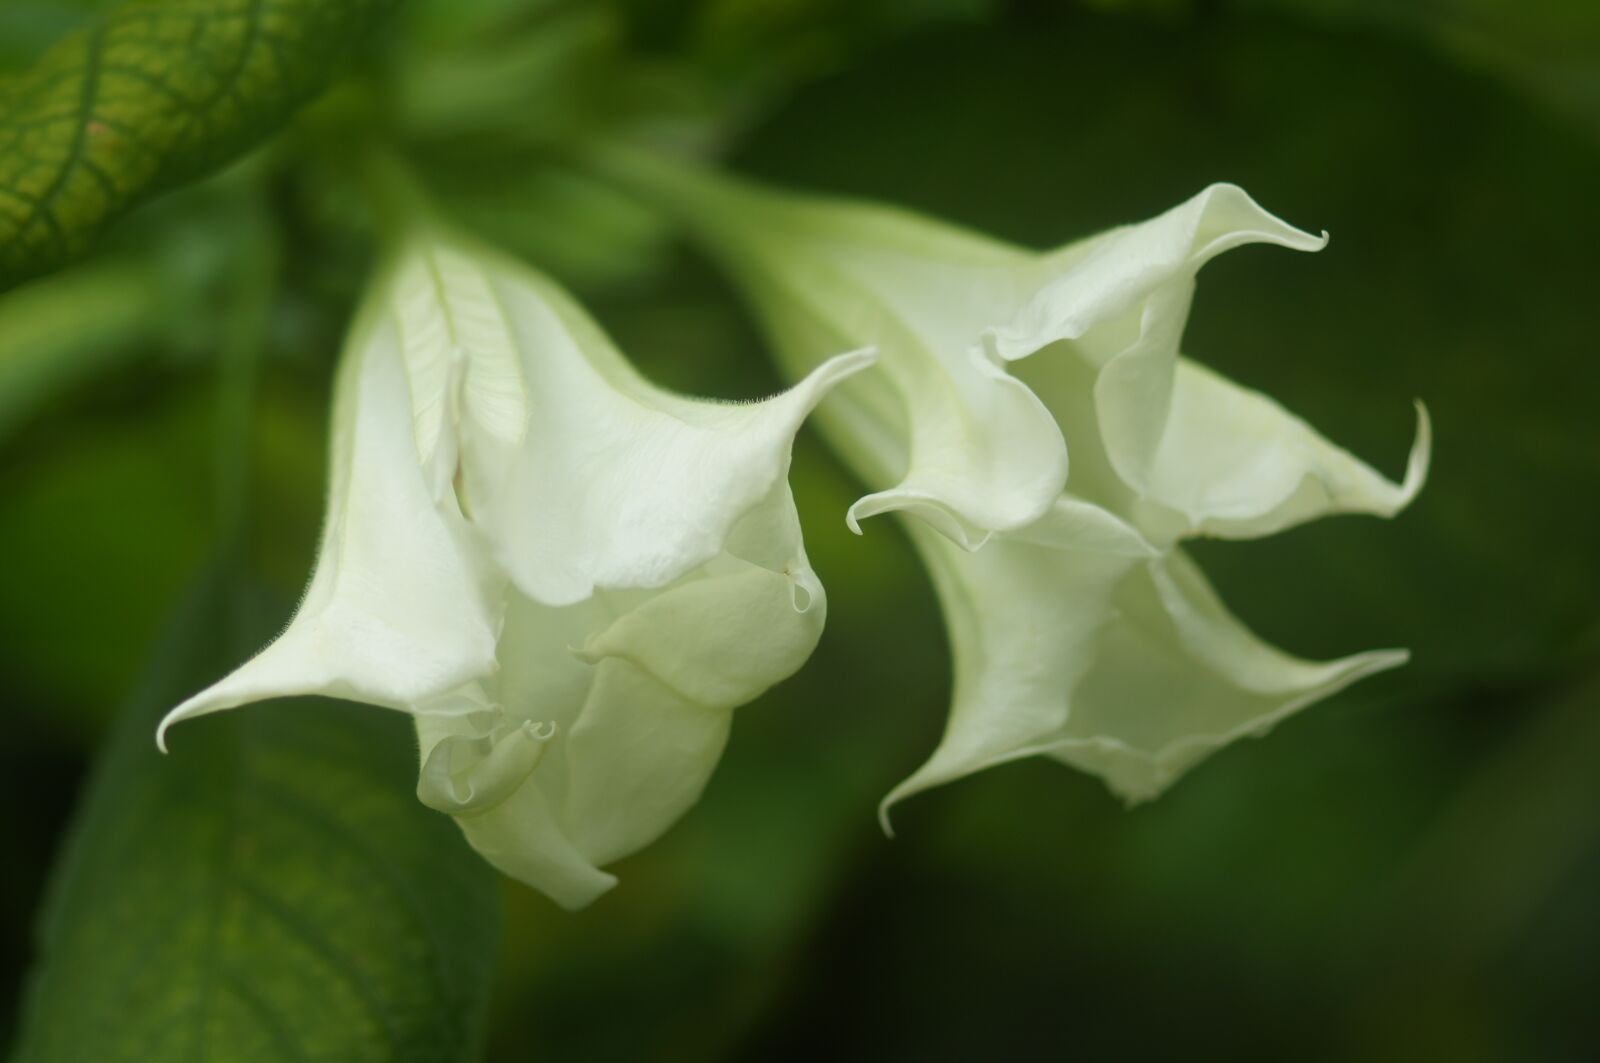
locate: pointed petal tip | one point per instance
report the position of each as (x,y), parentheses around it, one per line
(872,505)
(814,387)
(1259,225)
(917,782)
(187,710)
(850,362)
(161,733)
(805,590)
(1396,497)
(939,515)
(940,770)
(1132,798)
(1421,459)
(999,344)
(1374,661)
(884,823)
(577,898)
(864,507)
(934,772)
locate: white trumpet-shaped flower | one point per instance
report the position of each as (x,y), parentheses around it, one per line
(1081,631)
(567,576)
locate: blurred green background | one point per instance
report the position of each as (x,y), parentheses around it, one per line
(1409,871)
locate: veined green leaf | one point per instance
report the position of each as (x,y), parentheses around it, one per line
(154,94)
(270,891)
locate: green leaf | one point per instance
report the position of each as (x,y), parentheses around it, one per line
(158,92)
(272,890)
(67,327)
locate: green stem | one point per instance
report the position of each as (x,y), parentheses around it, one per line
(244,342)
(399,201)
(700,197)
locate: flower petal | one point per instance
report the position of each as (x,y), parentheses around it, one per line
(1234,464)
(617,483)
(670,670)
(1024,619)
(459,354)
(1204,456)
(979,452)
(629,695)
(401,607)
(1177,677)
(1102,285)
(671,636)
(1125,665)
(469,773)
(638,757)
(519,834)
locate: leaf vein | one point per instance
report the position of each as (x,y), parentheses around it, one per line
(280,799)
(228,84)
(269,1020)
(336,963)
(45,212)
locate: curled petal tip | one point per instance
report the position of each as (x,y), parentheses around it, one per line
(934,511)
(1421,455)
(864,507)
(825,377)
(1257,224)
(884,822)
(177,715)
(804,589)
(855,361)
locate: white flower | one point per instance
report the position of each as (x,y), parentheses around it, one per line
(568,576)
(1081,630)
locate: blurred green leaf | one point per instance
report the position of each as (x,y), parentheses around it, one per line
(101,522)
(754,47)
(1535,804)
(270,891)
(154,94)
(579,230)
(66,327)
(534,75)
(1549,49)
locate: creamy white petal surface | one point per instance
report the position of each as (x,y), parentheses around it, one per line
(1080,629)
(568,576)
(1200,453)
(1127,668)
(403,606)
(638,687)
(978,451)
